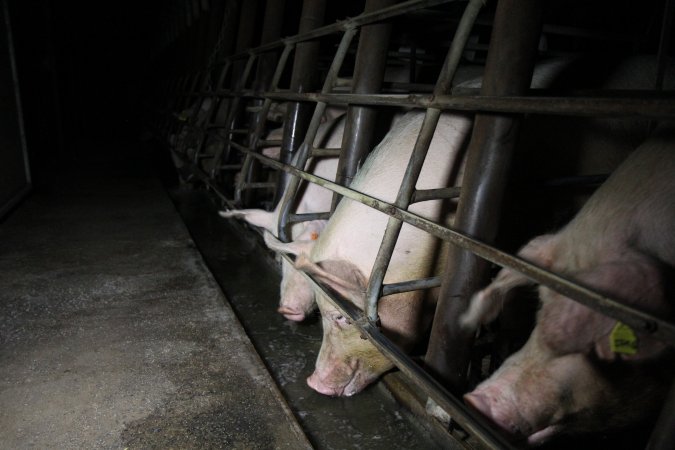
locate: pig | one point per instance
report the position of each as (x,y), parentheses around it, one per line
(296,295)
(345,252)
(567,378)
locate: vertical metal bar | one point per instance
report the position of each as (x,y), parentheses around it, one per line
(407,188)
(304,150)
(371,59)
(273,20)
(303,79)
(261,123)
(508,71)
(231,116)
(663,434)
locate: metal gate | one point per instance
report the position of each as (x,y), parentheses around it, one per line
(218,98)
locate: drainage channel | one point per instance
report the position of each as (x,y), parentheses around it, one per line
(248,275)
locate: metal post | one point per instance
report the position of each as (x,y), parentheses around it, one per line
(303,79)
(371,59)
(508,71)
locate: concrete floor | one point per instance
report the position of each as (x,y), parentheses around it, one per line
(113,334)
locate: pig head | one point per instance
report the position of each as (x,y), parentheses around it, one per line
(573,375)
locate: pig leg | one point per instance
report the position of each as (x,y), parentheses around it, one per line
(257,217)
(485,305)
(302,244)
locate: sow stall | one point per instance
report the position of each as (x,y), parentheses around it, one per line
(218,118)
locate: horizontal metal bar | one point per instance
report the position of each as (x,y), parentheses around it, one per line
(325,152)
(422,195)
(294,218)
(363,19)
(600,106)
(230,166)
(413,285)
(239,131)
(261,185)
(656,327)
(469,420)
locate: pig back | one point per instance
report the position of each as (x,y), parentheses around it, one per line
(633,210)
(355,231)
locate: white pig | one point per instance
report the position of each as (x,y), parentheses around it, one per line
(344,254)
(568,378)
(296,297)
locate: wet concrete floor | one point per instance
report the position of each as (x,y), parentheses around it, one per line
(250,279)
(113,333)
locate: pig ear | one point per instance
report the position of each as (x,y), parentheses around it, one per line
(485,305)
(344,278)
(570,327)
(257,217)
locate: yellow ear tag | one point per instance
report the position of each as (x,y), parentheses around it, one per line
(622,339)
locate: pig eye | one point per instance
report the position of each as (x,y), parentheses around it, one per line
(342,321)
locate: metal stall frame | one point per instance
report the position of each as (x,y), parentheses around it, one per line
(366,321)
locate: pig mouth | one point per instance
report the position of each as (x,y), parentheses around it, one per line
(352,386)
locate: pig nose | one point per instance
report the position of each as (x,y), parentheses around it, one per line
(482,404)
(291,314)
(315,383)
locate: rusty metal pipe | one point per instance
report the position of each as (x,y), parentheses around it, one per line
(508,71)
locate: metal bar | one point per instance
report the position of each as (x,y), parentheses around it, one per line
(231,116)
(294,218)
(303,79)
(371,59)
(591,107)
(266,69)
(423,195)
(508,71)
(419,152)
(363,19)
(322,152)
(260,123)
(413,285)
(656,327)
(294,182)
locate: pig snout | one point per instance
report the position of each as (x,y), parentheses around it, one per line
(338,379)
(291,313)
(499,408)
